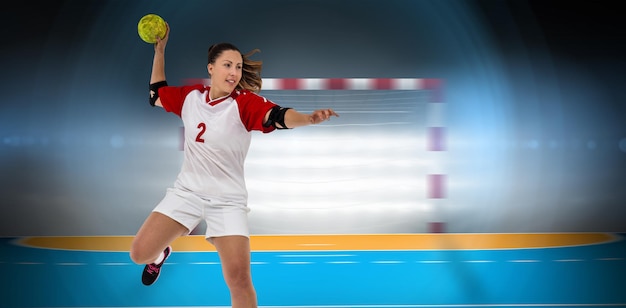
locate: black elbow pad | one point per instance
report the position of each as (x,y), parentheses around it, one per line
(154,91)
(277,116)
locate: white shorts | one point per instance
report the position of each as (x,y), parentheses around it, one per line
(222,217)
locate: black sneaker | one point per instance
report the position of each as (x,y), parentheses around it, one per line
(151,271)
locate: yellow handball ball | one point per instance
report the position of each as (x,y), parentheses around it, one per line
(151,26)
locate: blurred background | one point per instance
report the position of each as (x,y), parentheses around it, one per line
(532,111)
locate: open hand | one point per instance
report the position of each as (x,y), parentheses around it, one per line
(162,41)
(321,115)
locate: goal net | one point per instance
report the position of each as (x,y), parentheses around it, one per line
(366,171)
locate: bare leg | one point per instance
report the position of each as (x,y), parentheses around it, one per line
(234,252)
(156,233)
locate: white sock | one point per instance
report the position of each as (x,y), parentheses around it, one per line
(160,258)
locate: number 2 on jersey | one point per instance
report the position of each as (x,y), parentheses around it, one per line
(202,128)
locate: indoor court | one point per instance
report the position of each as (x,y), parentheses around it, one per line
(377,271)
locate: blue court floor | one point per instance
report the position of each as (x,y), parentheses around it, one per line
(570,276)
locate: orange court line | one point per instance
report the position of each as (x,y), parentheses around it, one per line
(427,241)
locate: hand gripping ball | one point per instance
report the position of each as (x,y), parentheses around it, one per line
(151,26)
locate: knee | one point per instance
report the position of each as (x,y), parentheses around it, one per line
(135,257)
(238,278)
(138,254)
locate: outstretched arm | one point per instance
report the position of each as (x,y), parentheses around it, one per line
(158,63)
(293,118)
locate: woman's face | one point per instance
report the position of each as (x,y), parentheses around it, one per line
(225,73)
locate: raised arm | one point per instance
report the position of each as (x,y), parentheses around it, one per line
(157,78)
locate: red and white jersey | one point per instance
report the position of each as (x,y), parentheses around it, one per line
(217,138)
